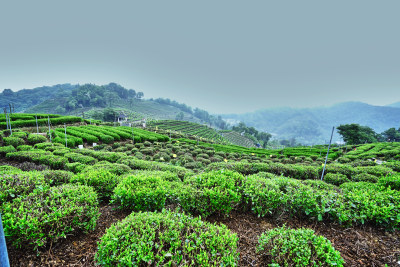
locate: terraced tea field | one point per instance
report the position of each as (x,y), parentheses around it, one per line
(140,198)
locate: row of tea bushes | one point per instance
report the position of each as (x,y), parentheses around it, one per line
(223,190)
(32,122)
(304,172)
(181,240)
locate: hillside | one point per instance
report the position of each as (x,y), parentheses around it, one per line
(394,105)
(27,98)
(89,101)
(313,125)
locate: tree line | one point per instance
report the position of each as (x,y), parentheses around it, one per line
(354,134)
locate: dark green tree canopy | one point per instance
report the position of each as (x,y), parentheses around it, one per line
(354,134)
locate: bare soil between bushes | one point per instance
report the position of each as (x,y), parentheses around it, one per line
(359,246)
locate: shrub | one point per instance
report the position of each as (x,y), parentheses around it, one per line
(101,180)
(212,192)
(75,167)
(167,239)
(13,141)
(364,177)
(301,247)
(35,139)
(6,149)
(76,157)
(49,215)
(57,177)
(143,192)
(263,195)
(336,178)
(15,183)
(114,168)
(24,147)
(393,181)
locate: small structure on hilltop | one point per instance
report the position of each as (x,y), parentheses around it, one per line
(122,118)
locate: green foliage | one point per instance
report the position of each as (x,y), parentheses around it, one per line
(114,168)
(6,149)
(135,163)
(336,178)
(167,239)
(39,157)
(300,247)
(392,181)
(13,141)
(48,215)
(32,123)
(24,148)
(75,167)
(35,138)
(101,180)
(76,157)
(57,177)
(212,192)
(15,183)
(354,134)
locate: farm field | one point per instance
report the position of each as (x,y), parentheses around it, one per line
(143,198)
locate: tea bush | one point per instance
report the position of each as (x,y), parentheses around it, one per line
(48,215)
(392,181)
(301,247)
(101,180)
(57,177)
(212,192)
(167,239)
(35,139)
(13,141)
(15,183)
(7,149)
(24,148)
(336,178)
(144,192)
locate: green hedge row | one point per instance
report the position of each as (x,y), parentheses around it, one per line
(40,157)
(31,123)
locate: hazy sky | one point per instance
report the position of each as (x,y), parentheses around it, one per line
(222,56)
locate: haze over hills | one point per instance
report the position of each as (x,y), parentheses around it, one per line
(306,125)
(314,125)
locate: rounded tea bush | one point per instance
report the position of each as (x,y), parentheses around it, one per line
(46,216)
(101,180)
(297,247)
(167,239)
(36,139)
(336,178)
(13,141)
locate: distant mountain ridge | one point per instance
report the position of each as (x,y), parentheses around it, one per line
(394,105)
(313,125)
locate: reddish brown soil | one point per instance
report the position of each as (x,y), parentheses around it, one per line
(359,246)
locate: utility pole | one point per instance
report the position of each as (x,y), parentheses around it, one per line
(327,153)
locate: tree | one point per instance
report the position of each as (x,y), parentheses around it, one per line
(8,92)
(109,114)
(139,95)
(59,110)
(179,116)
(391,135)
(354,134)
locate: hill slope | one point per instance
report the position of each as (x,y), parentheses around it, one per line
(313,125)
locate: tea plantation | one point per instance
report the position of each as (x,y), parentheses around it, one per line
(177,198)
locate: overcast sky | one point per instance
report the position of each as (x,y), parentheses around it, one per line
(222,56)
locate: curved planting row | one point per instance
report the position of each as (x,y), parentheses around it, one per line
(32,122)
